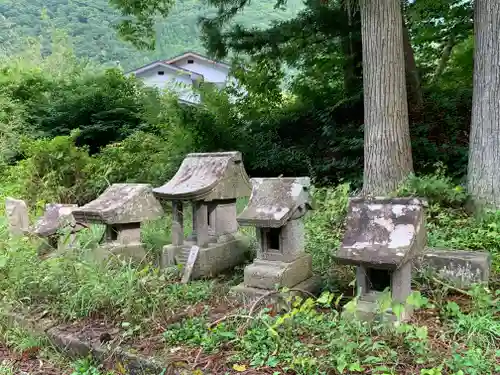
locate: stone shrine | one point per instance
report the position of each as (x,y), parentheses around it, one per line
(383,236)
(55,218)
(122,208)
(16,211)
(211,183)
(276,208)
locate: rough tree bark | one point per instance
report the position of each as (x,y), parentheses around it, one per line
(387,146)
(483,177)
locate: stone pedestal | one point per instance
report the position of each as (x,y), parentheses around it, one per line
(214,258)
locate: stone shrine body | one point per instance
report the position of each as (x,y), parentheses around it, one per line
(383,237)
(55,218)
(276,208)
(121,208)
(211,183)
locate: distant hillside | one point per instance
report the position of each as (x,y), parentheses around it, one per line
(89,22)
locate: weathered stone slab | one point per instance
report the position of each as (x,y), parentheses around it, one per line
(121,204)
(265,274)
(274,201)
(207,177)
(383,232)
(56,217)
(17,216)
(459,267)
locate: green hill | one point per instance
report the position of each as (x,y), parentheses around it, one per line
(89,23)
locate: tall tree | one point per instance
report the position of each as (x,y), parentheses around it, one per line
(388,158)
(483,178)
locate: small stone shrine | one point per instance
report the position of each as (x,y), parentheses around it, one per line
(16,211)
(276,208)
(383,236)
(122,208)
(58,217)
(211,183)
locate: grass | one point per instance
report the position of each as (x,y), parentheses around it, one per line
(449,334)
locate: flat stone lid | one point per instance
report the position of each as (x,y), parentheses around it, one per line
(382,231)
(55,217)
(207,176)
(274,201)
(121,204)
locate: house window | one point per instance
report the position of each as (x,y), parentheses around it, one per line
(190,61)
(161,73)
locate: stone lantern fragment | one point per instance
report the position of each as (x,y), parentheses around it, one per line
(16,211)
(122,208)
(211,183)
(57,218)
(276,208)
(383,237)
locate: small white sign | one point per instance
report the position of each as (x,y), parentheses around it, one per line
(188,268)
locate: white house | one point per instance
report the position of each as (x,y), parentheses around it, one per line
(183,72)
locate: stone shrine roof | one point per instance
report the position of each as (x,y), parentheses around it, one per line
(208,176)
(274,201)
(383,232)
(55,217)
(121,204)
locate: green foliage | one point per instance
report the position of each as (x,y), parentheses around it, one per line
(312,338)
(54,170)
(325,226)
(87,367)
(72,285)
(93,26)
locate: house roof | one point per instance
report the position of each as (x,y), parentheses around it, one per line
(198,56)
(164,65)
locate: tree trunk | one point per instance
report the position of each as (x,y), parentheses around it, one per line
(445,57)
(413,87)
(483,177)
(388,159)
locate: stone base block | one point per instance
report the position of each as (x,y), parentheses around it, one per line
(367,311)
(460,268)
(212,260)
(267,274)
(247,294)
(134,251)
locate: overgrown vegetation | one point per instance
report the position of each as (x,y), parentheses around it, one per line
(313,338)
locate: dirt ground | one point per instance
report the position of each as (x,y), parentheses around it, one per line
(28,363)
